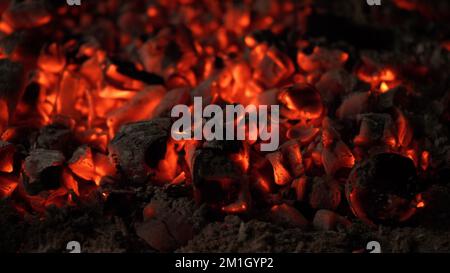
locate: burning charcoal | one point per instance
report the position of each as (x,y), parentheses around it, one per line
(325,194)
(329,220)
(354,104)
(138,147)
(291,151)
(382,189)
(17,45)
(334,83)
(55,137)
(301,187)
(168,223)
(375,128)
(89,165)
(219,179)
(8,183)
(301,102)
(286,215)
(304,134)
(26,14)
(52,59)
(271,65)
(321,59)
(280,174)
(335,154)
(43,170)
(171,98)
(128,71)
(12,77)
(140,107)
(7,151)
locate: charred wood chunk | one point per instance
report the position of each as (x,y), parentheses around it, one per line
(329,220)
(375,128)
(8,183)
(168,223)
(382,189)
(55,137)
(325,194)
(27,14)
(43,170)
(218,180)
(12,77)
(7,151)
(301,102)
(90,165)
(129,69)
(17,45)
(280,173)
(288,216)
(138,147)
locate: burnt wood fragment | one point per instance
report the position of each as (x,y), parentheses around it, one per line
(138,147)
(43,170)
(382,189)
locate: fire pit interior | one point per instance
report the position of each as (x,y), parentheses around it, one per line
(87,151)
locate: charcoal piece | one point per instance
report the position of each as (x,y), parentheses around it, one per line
(42,170)
(7,151)
(329,220)
(129,69)
(374,127)
(169,223)
(281,175)
(12,77)
(172,98)
(325,194)
(56,137)
(218,180)
(27,14)
(138,147)
(301,102)
(287,216)
(382,189)
(17,45)
(8,184)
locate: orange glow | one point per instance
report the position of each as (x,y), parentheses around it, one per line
(4,115)
(242,159)
(167,167)
(411,153)
(6,28)
(250,41)
(387,75)
(70,183)
(384,87)
(152,11)
(421,204)
(446,45)
(6,157)
(7,185)
(140,107)
(179,179)
(264,185)
(91,166)
(238,207)
(281,175)
(425,160)
(52,60)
